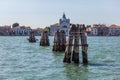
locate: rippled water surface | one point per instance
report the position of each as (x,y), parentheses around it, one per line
(21,60)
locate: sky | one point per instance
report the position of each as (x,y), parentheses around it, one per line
(42,13)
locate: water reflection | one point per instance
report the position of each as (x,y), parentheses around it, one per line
(76,72)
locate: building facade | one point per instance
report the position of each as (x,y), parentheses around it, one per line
(20,31)
(37,31)
(114,30)
(64,24)
(100,30)
(5,30)
(94,31)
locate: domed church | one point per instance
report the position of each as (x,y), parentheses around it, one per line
(64,24)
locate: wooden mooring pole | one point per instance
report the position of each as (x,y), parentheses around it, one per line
(59,41)
(75,56)
(32,37)
(84,42)
(44,41)
(76,33)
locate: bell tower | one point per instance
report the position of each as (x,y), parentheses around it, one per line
(64,24)
(64,17)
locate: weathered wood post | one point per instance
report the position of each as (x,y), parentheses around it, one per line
(59,41)
(32,37)
(84,44)
(44,41)
(75,56)
(76,32)
(56,41)
(68,51)
(62,41)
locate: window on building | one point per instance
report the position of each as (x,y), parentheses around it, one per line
(64,26)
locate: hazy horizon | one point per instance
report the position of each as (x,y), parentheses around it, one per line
(41,13)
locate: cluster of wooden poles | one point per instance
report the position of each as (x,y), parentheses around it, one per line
(32,37)
(77,37)
(44,41)
(59,41)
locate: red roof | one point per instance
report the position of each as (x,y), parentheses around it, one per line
(56,24)
(114,26)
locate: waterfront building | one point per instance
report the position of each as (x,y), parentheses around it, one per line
(94,31)
(88,31)
(21,31)
(114,30)
(100,30)
(38,31)
(5,30)
(64,24)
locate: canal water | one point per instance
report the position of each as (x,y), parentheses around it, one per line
(21,60)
